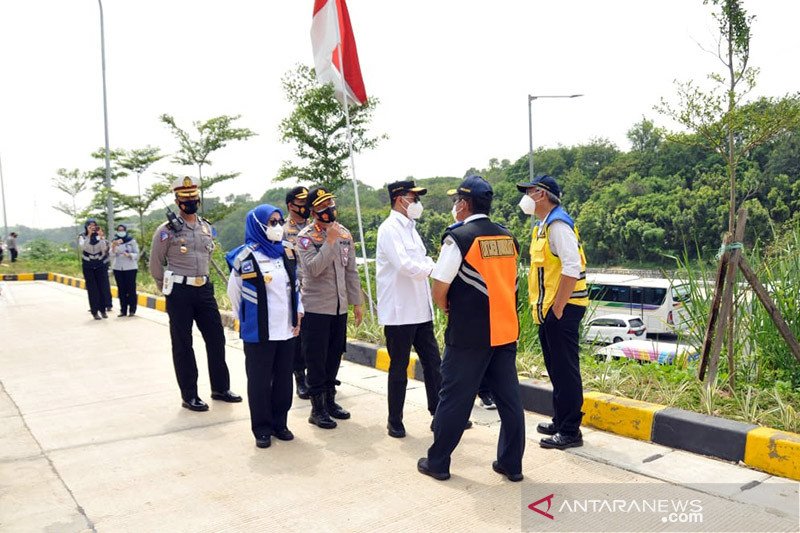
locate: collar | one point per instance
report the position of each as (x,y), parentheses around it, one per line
(404,220)
(300,225)
(475,217)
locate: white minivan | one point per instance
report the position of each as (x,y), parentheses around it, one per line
(615,328)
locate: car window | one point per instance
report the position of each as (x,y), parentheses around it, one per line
(599,322)
(681,293)
(619,324)
(636,322)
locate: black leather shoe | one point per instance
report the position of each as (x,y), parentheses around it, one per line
(546,428)
(562,442)
(263,441)
(397,431)
(122,315)
(96,316)
(227,396)
(466,427)
(195,404)
(500,470)
(283,434)
(422,466)
(103,314)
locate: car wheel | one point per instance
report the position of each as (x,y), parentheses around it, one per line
(617,339)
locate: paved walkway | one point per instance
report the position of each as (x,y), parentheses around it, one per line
(92,437)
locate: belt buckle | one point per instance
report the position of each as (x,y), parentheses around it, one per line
(199,281)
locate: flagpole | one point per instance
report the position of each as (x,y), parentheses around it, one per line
(355,181)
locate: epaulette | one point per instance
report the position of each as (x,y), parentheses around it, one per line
(288,249)
(242,255)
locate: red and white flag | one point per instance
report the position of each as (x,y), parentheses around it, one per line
(330,29)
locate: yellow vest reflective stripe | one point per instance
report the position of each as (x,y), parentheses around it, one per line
(545,274)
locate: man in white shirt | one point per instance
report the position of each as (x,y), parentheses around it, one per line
(404,301)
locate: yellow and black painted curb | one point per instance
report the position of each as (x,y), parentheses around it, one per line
(770,450)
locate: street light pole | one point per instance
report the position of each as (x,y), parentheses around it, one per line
(109,200)
(531,98)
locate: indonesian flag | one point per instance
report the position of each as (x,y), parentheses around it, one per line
(330,30)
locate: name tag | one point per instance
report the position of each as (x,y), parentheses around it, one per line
(500,247)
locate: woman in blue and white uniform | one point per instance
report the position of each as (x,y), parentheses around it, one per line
(265,297)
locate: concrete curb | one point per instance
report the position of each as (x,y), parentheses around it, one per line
(770,450)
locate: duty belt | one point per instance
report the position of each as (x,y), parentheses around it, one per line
(196,281)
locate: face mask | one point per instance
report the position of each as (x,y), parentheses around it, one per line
(302,210)
(327,215)
(275,233)
(122,234)
(414,211)
(189,206)
(454,212)
(527,204)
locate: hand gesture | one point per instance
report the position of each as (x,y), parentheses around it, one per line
(334,231)
(358,313)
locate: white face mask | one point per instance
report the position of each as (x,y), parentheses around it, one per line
(414,210)
(275,233)
(527,204)
(454,211)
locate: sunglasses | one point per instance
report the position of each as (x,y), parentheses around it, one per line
(275,222)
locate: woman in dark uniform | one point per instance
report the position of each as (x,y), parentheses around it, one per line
(265,297)
(94,250)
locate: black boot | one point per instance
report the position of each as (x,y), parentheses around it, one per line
(396,397)
(302,388)
(334,409)
(319,414)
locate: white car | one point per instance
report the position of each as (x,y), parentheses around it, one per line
(615,328)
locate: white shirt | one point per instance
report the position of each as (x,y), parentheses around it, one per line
(278,296)
(564,244)
(450,257)
(403,267)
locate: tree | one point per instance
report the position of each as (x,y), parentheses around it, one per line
(72,183)
(727,125)
(213,134)
(318,129)
(719,117)
(138,161)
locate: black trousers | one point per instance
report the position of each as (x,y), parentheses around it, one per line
(324,339)
(559,339)
(269,384)
(399,340)
(188,304)
(126,289)
(462,372)
(298,359)
(96,278)
(14,254)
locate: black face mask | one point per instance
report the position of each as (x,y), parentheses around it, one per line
(189,206)
(328,214)
(302,210)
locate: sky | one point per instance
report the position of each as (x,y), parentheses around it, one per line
(452,78)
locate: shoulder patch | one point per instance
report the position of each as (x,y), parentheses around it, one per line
(163,236)
(247,266)
(304,242)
